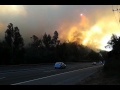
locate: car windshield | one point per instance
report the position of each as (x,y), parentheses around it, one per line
(59,63)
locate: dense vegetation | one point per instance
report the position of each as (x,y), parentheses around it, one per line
(47,49)
(112,65)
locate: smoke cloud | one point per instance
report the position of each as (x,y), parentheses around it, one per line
(93,28)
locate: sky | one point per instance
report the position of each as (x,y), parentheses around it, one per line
(89,25)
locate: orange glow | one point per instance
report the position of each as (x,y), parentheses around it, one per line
(94,36)
(1,27)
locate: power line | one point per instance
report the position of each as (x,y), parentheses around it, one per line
(118,11)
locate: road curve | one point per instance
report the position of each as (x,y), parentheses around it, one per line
(66,78)
(47,75)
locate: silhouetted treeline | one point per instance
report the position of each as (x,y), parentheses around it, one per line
(112,65)
(12,48)
(47,49)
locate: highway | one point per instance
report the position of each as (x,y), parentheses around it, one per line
(47,75)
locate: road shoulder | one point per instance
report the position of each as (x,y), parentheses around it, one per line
(99,78)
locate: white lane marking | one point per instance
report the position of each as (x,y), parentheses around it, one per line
(2,78)
(23,70)
(50,71)
(52,75)
(73,67)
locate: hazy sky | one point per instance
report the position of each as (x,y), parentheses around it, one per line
(91,25)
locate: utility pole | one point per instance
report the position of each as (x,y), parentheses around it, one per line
(103,61)
(116,10)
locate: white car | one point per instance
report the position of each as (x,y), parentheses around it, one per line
(59,65)
(94,63)
(100,62)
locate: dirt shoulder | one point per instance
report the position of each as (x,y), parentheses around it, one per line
(99,78)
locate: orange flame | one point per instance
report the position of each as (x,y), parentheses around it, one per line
(94,36)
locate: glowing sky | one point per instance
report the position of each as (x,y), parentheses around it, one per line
(90,25)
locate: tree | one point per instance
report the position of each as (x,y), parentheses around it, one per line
(49,39)
(18,40)
(46,40)
(9,35)
(114,43)
(36,42)
(112,62)
(55,40)
(14,42)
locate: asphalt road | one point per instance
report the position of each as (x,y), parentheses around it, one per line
(47,75)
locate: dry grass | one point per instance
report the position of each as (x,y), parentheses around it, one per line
(100,78)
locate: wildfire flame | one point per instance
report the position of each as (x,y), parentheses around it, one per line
(93,36)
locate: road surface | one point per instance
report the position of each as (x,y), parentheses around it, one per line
(47,75)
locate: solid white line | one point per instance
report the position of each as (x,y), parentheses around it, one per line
(2,78)
(22,70)
(53,75)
